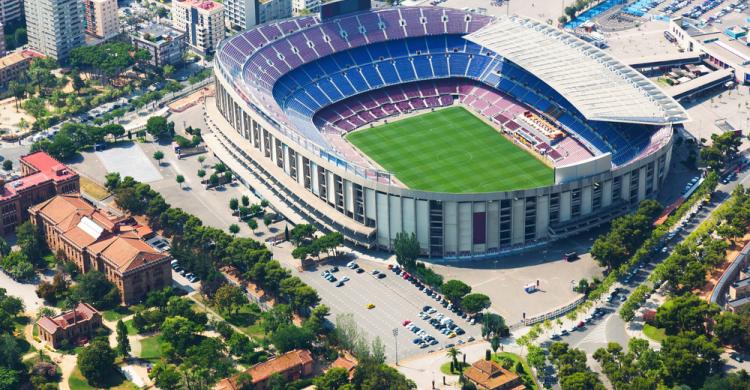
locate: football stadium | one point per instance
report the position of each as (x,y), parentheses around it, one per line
(481,135)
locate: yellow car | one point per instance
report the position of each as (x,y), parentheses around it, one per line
(370,306)
(452,335)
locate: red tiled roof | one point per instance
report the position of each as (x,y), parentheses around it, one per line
(47,169)
(82,312)
(262,371)
(123,248)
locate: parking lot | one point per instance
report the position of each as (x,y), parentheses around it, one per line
(393,299)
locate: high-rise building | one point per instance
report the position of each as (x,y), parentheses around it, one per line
(54,27)
(202,21)
(101,18)
(10,10)
(243,14)
(166,44)
(304,7)
(2,39)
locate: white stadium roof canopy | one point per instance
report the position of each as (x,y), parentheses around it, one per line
(599,86)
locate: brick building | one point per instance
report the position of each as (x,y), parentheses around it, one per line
(291,366)
(71,325)
(42,177)
(96,239)
(13,64)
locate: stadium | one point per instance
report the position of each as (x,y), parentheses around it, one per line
(481,135)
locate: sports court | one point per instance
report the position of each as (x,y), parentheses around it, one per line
(451,150)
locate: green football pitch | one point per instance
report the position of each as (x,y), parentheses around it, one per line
(451,150)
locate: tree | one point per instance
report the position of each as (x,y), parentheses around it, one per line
(582,380)
(165,376)
(4,247)
(180,179)
(474,303)
(454,290)
(76,82)
(333,379)
(9,378)
(94,288)
(252,224)
(289,337)
(123,344)
(201,173)
(685,313)
(690,358)
(234,204)
(18,90)
(229,298)
(301,233)
(245,201)
(730,330)
(234,229)
(159,127)
(494,324)
(213,180)
(8,165)
(267,220)
(112,180)
(453,353)
(370,375)
(180,332)
(201,160)
(17,265)
(31,243)
(158,156)
(96,362)
(167,70)
(406,248)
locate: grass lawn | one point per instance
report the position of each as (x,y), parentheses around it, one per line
(117,313)
(451,150)
(132,331)
(151,348)
(116,382)
(93,189)
(446,368)
(654,333)
(527,378)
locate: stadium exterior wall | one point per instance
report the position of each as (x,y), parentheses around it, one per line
(448,226)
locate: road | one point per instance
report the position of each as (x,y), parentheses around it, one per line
(612,328)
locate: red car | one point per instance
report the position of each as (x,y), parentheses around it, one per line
(405,275)
(406,322)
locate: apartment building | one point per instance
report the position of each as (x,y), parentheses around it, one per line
(54,27)
(10,10)
(101,18)
(99,240)
(244,14)
(42,177)
(166,44)
(305,7)
(202,21)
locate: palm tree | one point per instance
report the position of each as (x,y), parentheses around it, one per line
(453,353)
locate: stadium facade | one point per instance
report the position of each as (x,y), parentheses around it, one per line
(287,93)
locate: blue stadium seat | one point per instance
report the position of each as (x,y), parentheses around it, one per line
(388,71)
(440,65)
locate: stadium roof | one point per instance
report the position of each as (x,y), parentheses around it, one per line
(599,86)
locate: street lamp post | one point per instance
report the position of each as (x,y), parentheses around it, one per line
(395,342)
